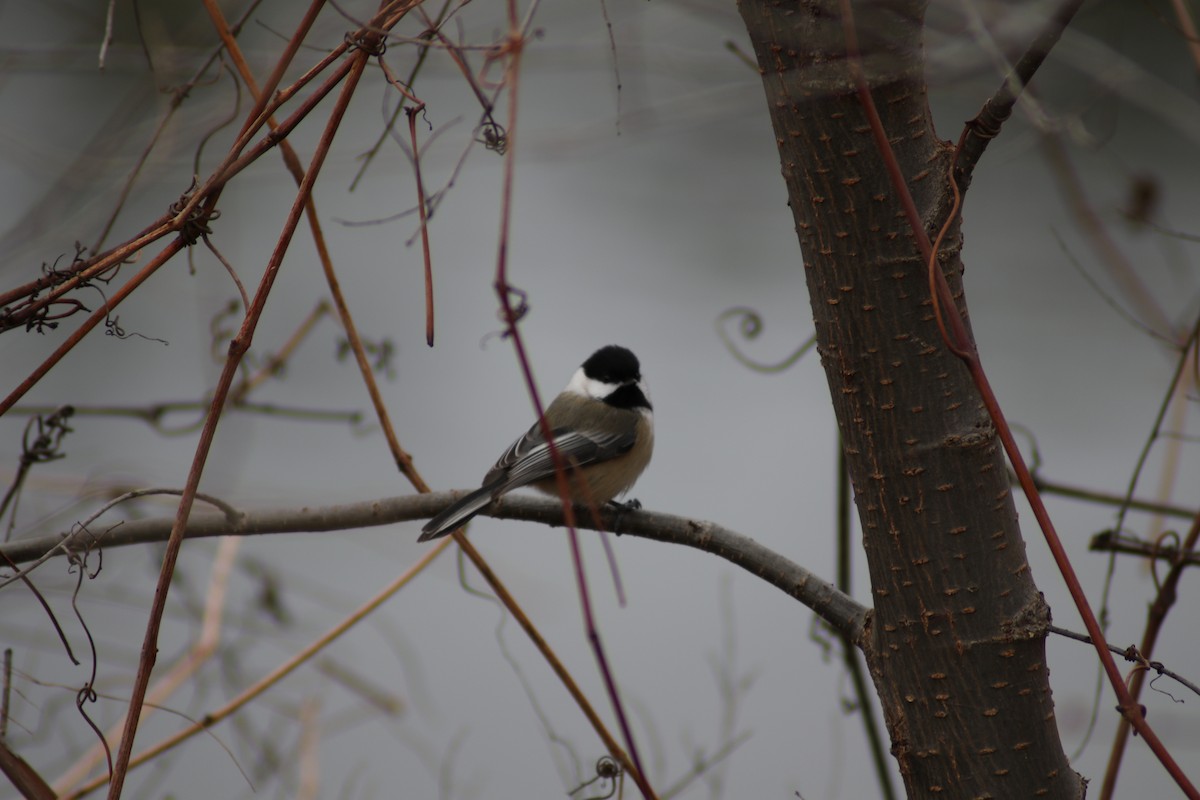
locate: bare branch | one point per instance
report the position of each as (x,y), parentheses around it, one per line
(837,608)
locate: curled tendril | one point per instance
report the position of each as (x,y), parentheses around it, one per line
(370,43)
(493,137)
(1160,544)
(112,327)
(750,326)
(607,769)
(509,314)
(47,445)
(196,224)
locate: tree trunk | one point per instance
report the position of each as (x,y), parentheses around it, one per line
(956,644)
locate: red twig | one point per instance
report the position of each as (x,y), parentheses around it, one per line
(512,49)
(412,112)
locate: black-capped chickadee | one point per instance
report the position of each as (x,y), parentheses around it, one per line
(603,430)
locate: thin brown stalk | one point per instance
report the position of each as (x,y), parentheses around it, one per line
(423,49)
(1125,500)
(551,658)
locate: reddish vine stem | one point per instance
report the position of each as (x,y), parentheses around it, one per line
(511,317)
(1128,706)
(412,112)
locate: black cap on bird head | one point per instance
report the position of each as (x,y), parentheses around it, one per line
(613,364)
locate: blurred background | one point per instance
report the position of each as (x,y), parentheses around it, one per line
(647,202)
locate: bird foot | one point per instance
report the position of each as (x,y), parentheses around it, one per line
(620,510)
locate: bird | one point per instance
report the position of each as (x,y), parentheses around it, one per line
(602,426)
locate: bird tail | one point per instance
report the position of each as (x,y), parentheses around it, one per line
(457,514)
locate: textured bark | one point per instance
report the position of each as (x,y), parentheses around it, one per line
(956,644)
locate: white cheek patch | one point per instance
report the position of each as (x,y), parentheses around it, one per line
(584,386)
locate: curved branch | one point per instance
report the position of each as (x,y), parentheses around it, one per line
(837,608)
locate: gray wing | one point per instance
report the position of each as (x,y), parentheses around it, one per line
(528,460)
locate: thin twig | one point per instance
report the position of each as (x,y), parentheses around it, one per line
(412,112)
(178,95)
(423,43)
(1156,616)
(185,667)
(108,34)
(1113,542)
(836,607)
(1130,653)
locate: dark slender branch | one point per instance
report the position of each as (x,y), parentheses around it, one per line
(986,125)
(835,607)
(1114,542)
(156,414)
(1124,501)
(1168,593)
(1131,654)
